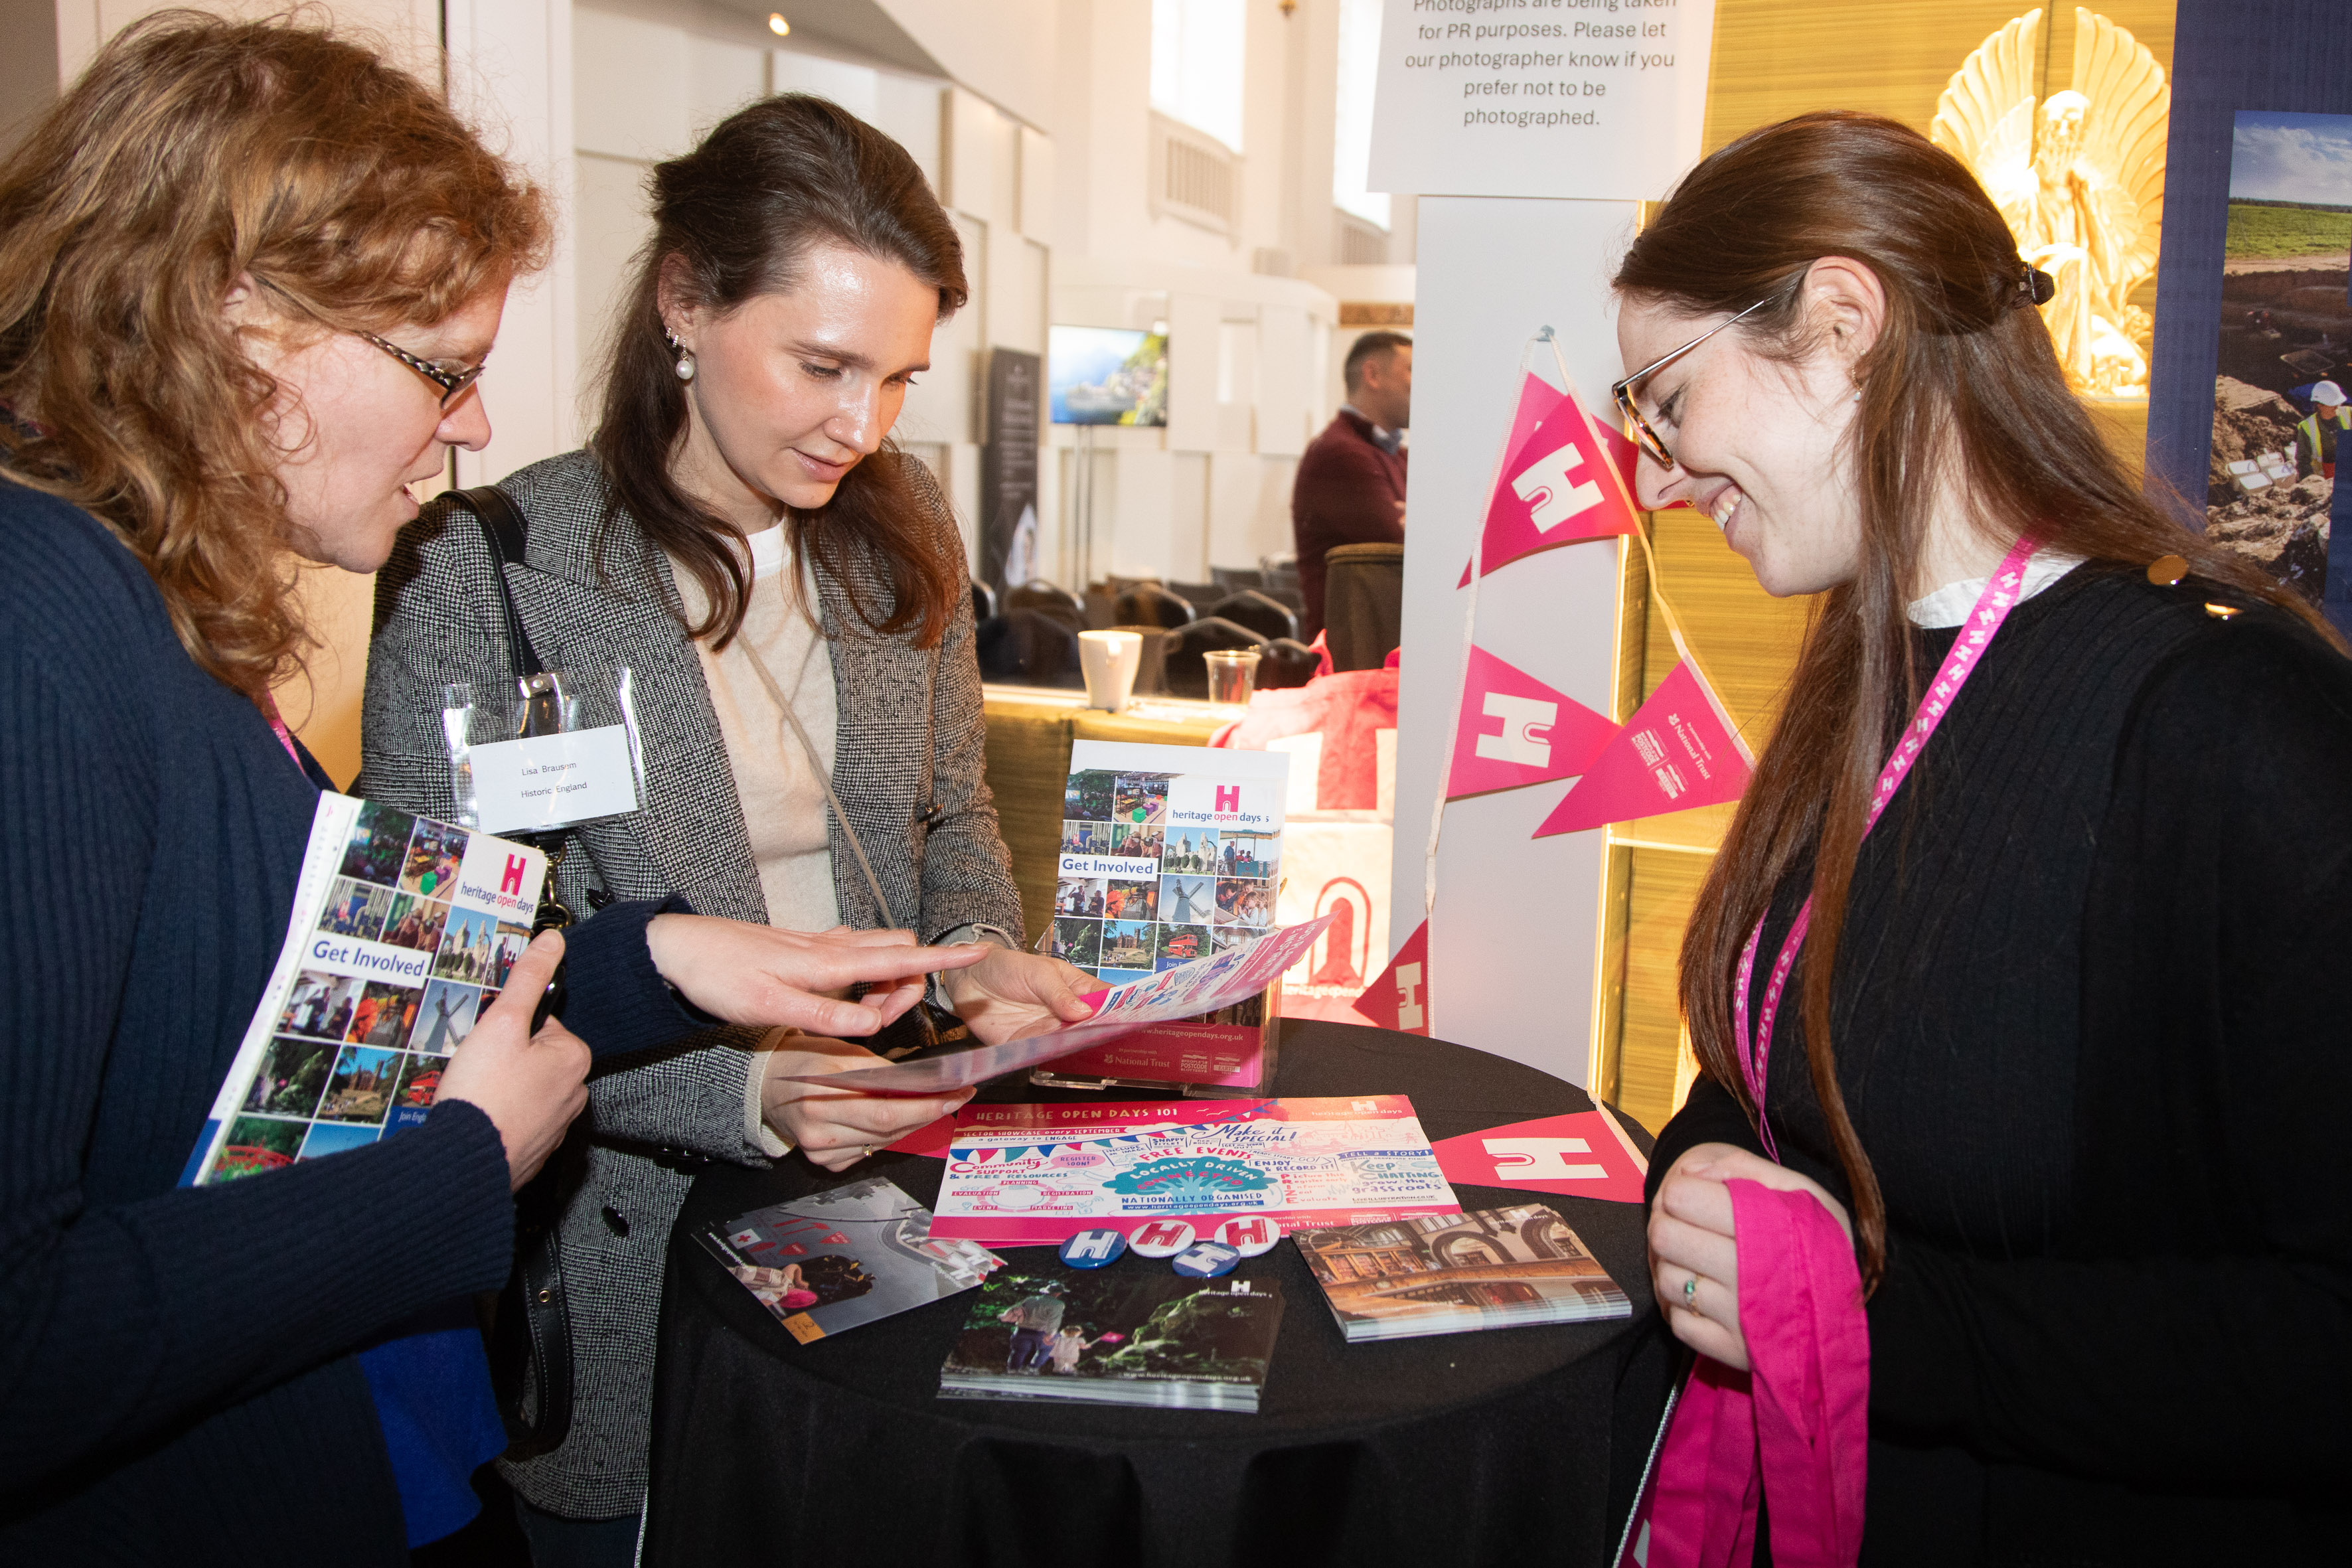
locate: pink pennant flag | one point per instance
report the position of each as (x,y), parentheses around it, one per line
(1680,750)
(1624,454)
(1562,481)
(1583,1154)
(1399,999)
(1516,731)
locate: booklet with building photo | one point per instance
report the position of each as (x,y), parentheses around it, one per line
(844,1256)
(1117,1336)
(1448,1273)
(1168,854)
(402,929)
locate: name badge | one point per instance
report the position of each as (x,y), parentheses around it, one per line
(552,781)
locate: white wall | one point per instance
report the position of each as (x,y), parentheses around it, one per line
(652,79)
(992,48)
(1246,392)
(1514,938)
(510,73)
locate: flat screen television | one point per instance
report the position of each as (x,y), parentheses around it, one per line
(1106,375)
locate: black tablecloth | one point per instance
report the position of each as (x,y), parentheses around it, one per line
(1487,1447)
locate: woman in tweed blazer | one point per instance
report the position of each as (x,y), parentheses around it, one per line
(798,267)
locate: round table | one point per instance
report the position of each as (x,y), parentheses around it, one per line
(1485,1447)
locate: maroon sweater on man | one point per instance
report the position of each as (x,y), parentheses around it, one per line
(1348,490)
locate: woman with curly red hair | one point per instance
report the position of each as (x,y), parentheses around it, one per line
(248,275)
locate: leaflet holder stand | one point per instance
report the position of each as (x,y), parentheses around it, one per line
(1216,1056)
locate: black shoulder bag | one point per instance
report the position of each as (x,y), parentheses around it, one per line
(531,1326)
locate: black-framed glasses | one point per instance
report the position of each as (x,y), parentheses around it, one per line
(1622,391)
(452,383)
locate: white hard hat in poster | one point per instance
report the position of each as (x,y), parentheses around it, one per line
(1599,100)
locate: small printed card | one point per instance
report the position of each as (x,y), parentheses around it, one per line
(1449,1274)
(845,1256)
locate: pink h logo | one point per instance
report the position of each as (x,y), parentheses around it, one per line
(512,881)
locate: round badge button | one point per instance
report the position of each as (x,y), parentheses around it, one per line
(1094,1249)
(1250,1235)
(1205,1260)
(1161,1237)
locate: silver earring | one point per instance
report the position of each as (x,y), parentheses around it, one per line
(685,356)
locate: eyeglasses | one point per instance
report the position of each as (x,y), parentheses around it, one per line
(452,383)
(1623,391)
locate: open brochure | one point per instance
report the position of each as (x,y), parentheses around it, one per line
(845,1256)
(1189,989)
(1117,1336)
(403,930)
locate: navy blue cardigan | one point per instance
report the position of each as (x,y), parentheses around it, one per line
(177,1375)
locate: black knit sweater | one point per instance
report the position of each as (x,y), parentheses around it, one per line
(2091,1026)
(176,1377)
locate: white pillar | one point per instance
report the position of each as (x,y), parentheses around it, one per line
(1514,942)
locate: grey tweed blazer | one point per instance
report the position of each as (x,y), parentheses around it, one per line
(908,737)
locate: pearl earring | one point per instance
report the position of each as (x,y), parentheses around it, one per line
(685,356)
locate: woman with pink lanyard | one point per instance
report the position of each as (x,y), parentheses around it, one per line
(2008,1217)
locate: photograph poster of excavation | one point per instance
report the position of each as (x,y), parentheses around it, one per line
(2285,364)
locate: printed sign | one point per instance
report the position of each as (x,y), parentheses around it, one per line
(1595,100)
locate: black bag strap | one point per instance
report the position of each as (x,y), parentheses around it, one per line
(506,531)
(531,1344)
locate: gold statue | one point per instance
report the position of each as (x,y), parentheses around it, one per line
(2080,181)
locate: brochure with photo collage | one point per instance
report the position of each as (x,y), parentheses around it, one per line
(404,930)
(1168,854)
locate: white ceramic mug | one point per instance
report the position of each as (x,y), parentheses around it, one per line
(1110,661)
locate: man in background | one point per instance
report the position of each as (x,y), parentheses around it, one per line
(1350,483)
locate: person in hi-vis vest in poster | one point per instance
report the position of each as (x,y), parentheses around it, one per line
(2315,437)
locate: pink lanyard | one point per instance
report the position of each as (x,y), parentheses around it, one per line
(1992,607)
(278,727)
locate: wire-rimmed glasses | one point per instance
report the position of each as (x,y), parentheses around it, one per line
(1622,391)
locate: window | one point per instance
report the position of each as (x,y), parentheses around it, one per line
(1352,142)
(1197,53)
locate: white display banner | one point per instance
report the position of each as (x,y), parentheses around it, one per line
(1601,99)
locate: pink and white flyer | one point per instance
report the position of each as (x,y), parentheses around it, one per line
(1172,1172)
(1201,986)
